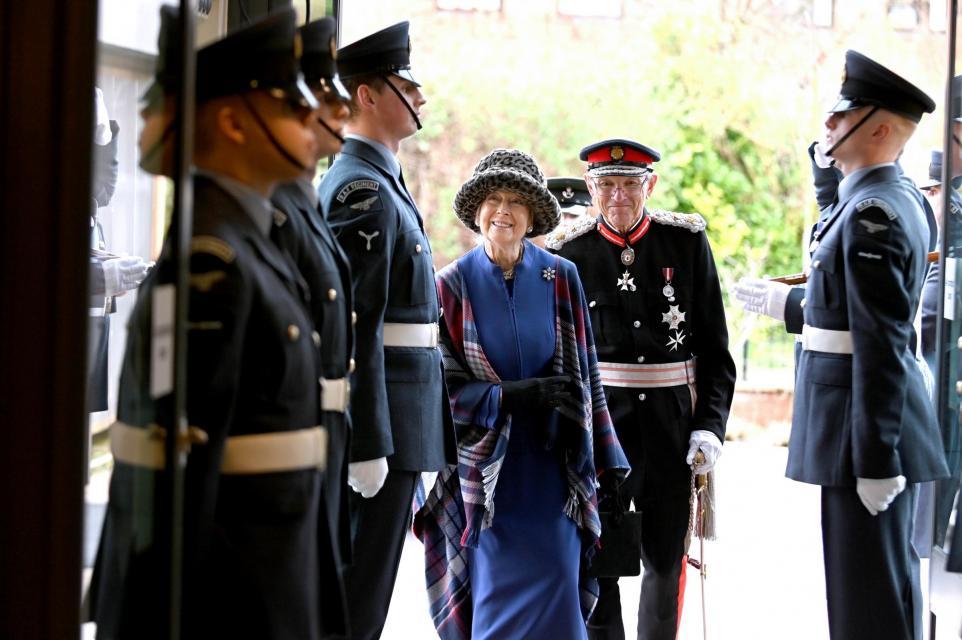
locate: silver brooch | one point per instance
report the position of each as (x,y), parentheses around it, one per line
(548,274)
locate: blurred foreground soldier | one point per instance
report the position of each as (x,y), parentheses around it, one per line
(400,415)
(659,327)
(301,228)
(253,557)
(573,197)
(863,426)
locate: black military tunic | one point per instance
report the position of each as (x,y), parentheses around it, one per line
(665,307)
(252,563)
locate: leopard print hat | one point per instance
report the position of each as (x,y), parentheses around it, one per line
(508,170)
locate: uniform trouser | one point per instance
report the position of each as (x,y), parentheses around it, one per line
(379,525)
(663,530)
(871,568)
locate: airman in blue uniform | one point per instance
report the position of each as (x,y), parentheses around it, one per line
(399,407)
(864,427)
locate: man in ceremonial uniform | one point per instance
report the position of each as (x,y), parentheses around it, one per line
(659,326)
(863,425)
(256,559)
(301,228)
(399,408)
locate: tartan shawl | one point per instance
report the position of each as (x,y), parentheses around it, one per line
(452,513)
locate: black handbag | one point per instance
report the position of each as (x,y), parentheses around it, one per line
(620,552)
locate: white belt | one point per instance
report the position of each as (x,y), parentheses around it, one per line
(826,340)
(335,394)
(248,454)
(647,376)
(401,334)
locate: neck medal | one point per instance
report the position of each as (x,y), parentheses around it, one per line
(668,291)
(627,256)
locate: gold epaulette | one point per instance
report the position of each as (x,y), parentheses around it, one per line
(557,238)
(691,221)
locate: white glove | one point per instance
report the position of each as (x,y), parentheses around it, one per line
(766,297)
(124,274)
(102,133)
(367,477)
(709,444)
(822,161)
(878,493)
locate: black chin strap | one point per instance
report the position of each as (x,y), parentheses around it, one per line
(270,136)
(407,105)
(835,146)
(331,131)
(156,148)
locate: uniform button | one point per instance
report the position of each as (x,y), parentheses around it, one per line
(817,264)
(641,358)
(642,397)
(636,324)
(959,343)
(293,332)
(331,295)
(417,248)
(316,337)
(801,303)
(592,304)
(354,317)
(351,366)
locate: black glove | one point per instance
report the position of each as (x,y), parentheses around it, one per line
(536,392)
(608,498)
(610,480)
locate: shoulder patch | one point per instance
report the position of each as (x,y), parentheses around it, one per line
(213,246)
(351,187)
(204,282)
(557,238)
(694,222)
(879,204)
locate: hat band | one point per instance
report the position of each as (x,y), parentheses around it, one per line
(618,170)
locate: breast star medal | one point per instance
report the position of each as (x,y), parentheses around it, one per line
(674,342)
(674,317)
(627,256)
(626,282)
(668,291)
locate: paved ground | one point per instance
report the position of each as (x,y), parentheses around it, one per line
(765,578)
(764,572)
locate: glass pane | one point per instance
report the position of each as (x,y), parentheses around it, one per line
(129,215)
(942,496)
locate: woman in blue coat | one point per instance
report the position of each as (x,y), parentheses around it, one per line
(507,529)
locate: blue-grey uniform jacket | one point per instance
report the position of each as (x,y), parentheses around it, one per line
(399,403)
(861,407)
(254,559)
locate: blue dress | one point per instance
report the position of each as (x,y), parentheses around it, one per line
(524,571)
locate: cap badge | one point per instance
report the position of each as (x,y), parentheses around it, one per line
(333,48)
(844,73)
(409,46)
(617,153)
(298,45)
(568,193)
